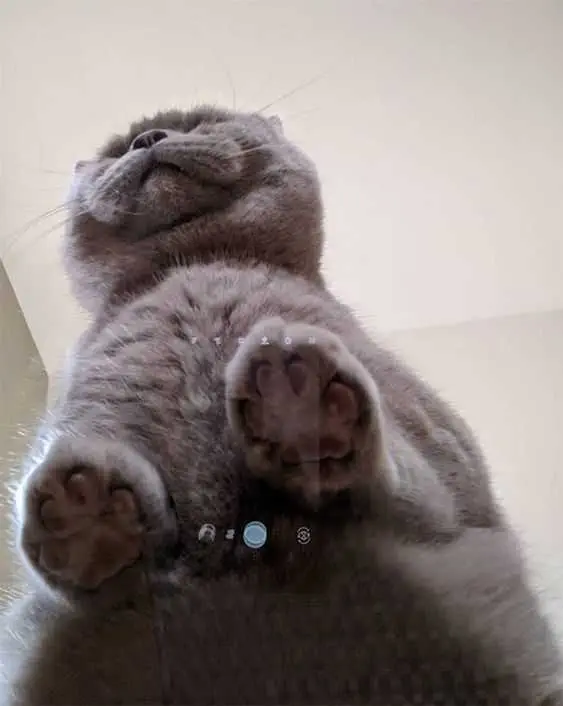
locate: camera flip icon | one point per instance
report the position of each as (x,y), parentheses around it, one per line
(303,535)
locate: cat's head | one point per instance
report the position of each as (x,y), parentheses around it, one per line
(200,186)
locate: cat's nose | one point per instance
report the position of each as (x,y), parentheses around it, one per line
(148,139)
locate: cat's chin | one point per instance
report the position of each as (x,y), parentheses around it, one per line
(166,191)
(160,176)
(169,197)
(166,199)
(146,232)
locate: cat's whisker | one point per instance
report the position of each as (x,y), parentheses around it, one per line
(266,81)
(301,113)
(250,150)
(51,187)
(256,148)
(17,234)
(12,249)
(42,170)
(289,94)
(119,211)
(232,85)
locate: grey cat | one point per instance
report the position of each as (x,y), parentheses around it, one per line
(220,383)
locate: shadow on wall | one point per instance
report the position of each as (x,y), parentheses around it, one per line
(23,395)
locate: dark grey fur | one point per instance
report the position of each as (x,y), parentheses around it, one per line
(412,589)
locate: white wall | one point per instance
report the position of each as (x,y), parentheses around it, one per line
(436,126)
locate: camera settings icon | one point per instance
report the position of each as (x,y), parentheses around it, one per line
(303,535)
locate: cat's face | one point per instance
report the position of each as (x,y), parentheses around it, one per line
(181,187)
(174,166)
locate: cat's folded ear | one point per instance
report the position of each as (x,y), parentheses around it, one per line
(275,122)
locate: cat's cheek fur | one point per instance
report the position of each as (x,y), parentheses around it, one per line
(107,508)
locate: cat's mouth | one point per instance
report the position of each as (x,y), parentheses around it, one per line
(168,195)
(146,192)
(165,182)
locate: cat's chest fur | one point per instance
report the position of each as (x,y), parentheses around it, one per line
(391,625)
(364,637)
(154,374)
(360,624)
(157,366)
(360,615)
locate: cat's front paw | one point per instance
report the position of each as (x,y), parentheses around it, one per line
(89,510)
(306,410)
(82,530)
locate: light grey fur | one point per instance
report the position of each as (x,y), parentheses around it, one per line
(412,589)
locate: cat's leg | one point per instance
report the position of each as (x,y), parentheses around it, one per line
(89,509)
(307,411)
(311,421)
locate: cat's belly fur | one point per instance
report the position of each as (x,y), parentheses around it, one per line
(379,636)
(392,623)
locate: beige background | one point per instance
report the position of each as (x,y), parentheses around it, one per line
(506,377)
(23,388)
(436,127)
